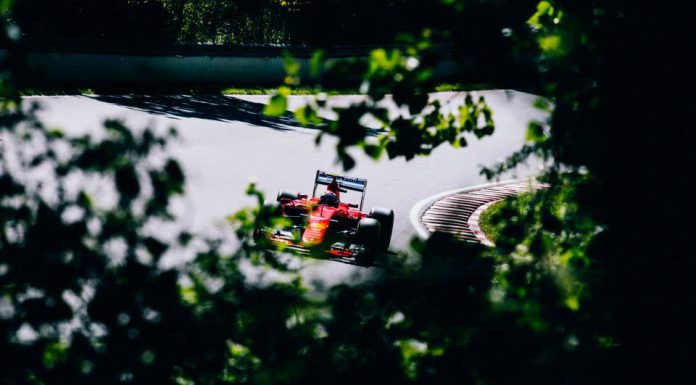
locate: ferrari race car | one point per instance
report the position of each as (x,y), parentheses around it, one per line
(324,224)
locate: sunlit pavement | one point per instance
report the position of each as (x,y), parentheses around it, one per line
(226,143)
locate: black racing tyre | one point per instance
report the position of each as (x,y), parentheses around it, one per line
(284,194)
(368,236)
(386,221)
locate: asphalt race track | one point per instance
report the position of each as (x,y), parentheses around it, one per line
(226,142)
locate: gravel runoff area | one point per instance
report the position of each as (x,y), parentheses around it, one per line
(458,211)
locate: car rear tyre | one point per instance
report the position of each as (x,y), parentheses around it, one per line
(386,221)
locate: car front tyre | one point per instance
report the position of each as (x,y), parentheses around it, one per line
(385,217)
(368,235)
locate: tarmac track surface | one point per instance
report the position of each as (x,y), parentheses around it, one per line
(226,142)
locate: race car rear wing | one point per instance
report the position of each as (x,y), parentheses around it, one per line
(344,182)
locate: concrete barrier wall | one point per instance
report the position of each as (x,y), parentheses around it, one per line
(94,68)
(99,68)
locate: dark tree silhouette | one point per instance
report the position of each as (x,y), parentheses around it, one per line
(588,283)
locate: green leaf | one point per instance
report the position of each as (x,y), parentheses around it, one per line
(347,161)
(5,7)
(535,132)
(543,8)
(572,303)
(542,104)
(300,116)
(176,177)
(375,152)
(307,116)
(277,106)
(484,131)
(55,133)
(54,353)
(292,66)
(127,183)
(316,63)
(84,200)
(550,43)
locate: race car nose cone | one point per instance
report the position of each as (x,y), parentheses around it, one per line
(314,233)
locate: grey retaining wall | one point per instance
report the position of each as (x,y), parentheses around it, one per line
(96,68)
(251,67)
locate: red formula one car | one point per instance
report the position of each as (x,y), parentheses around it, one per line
(324,224)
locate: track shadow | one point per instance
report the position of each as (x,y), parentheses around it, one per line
(210,107)
(347,260)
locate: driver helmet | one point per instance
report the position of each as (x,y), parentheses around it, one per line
(329,198)
(334,187)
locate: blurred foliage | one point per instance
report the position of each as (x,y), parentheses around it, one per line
(580,288)
(417,125)
(575,269)
(96,21)
(250,22)
(491,220)
(147,22)
(90,290)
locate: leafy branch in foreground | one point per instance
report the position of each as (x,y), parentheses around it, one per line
(578,290)
(394,114)
(99,283)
